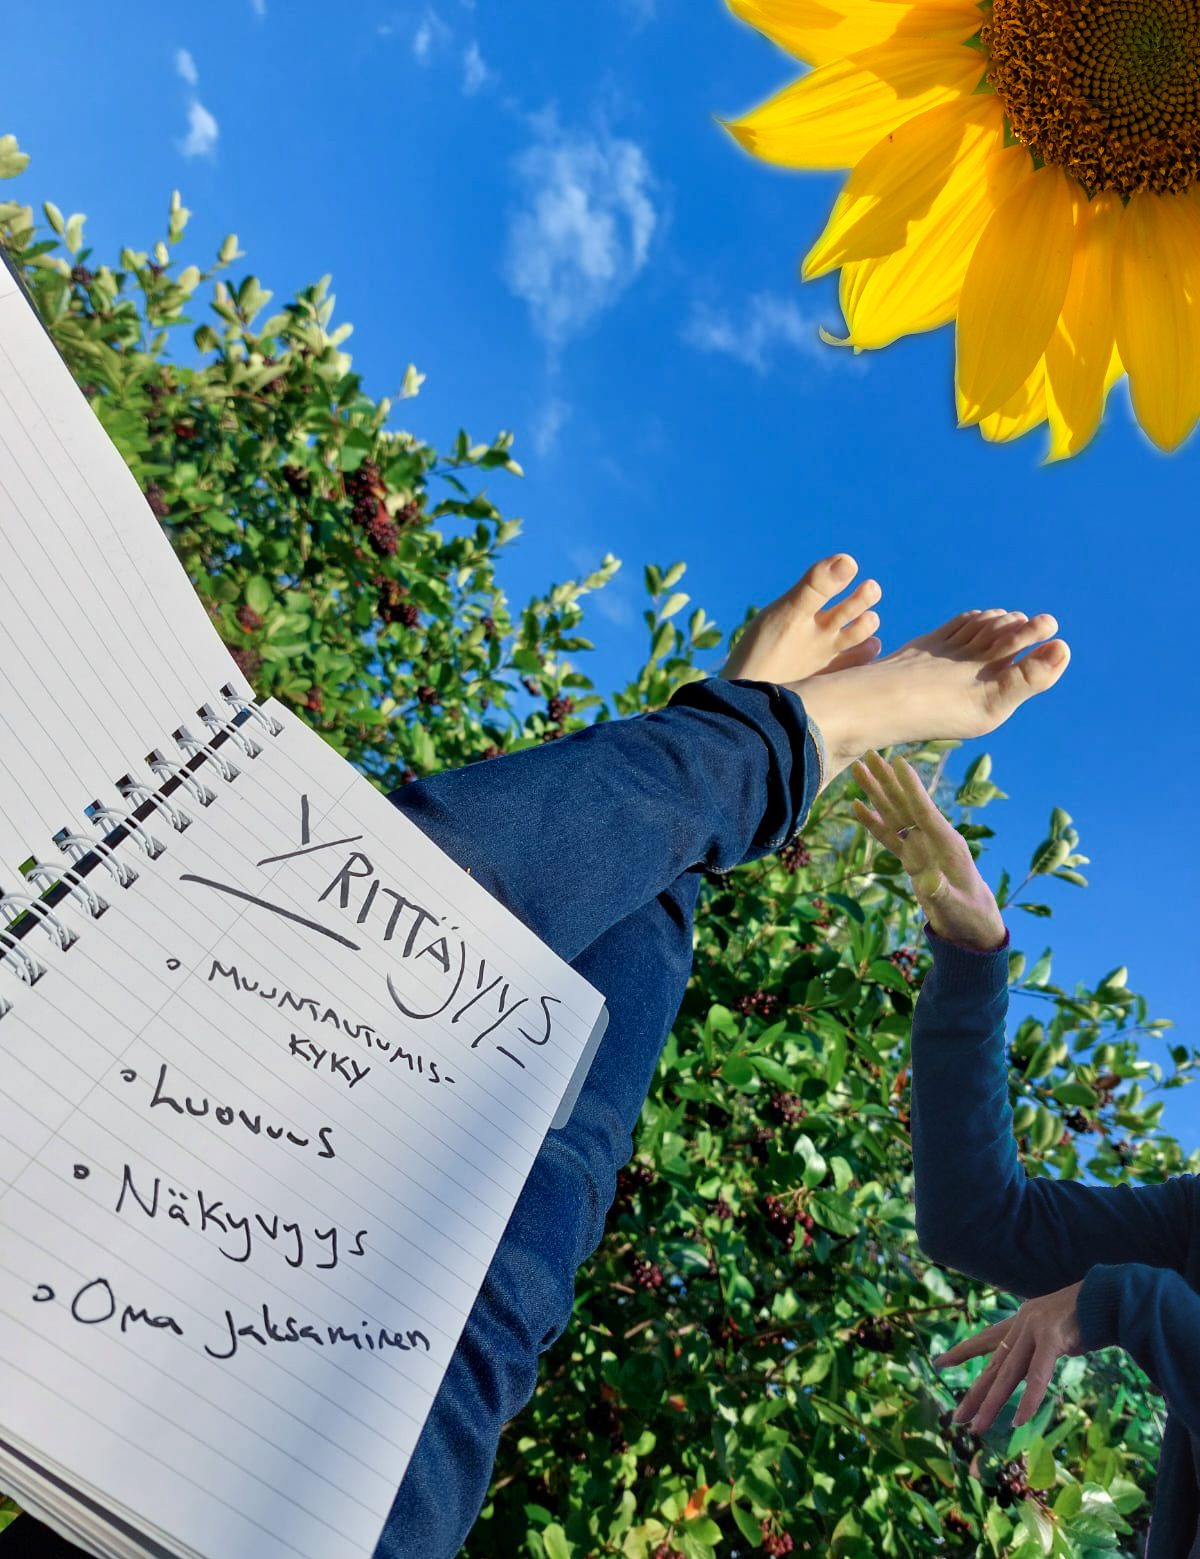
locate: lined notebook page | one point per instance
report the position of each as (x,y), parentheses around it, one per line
(105,648)
(295,1076)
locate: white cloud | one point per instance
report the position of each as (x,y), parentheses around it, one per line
(770,323)
(430,35)
(549,423)
(583,234)
(185,66)
(475,72)
(202,132)
(259,7)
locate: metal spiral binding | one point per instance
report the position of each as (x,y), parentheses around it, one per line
(23,913)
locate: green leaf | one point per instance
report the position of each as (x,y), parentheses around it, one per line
(555,1541)
(675,603)
(832,1212)
(739,1072)
(259,595)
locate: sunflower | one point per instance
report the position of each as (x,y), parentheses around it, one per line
(1027,168)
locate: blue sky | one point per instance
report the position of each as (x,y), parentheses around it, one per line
(534,204)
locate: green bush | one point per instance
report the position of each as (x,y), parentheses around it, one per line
(749,1357)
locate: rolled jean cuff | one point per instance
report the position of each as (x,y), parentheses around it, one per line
(796,751)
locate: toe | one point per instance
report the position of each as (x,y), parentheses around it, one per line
(851,610)
(826,578)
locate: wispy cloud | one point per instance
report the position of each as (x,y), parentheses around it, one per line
(769,324)
(430,36)
(202,126)
(583,234)
(259,7)
(475,71)
(549,423)
(203,131)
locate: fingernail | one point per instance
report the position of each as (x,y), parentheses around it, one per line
(840,566)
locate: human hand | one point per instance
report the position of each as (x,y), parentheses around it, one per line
(957,902)
(1028,1345)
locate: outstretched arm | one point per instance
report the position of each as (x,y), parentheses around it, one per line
(976,1210)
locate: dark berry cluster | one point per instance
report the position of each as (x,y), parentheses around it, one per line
(602,1419)
(1105,1086)
(315,701)
(775,1543)
(963,1441)
(762,1004)
(298,481)
(530,684)
(81,276)
(633,1177)
(392,606)
(279,383)
(552,735)
(786,1108)
(875,1336)
(665,1551)
(646,1275)
(905,959)
(723,1330)
(408,776)
(489,627)
(492,751)
(559,708)
(722,1209)
(1078,1121)
(955,1522)
(249,662)
(820,925)
(794,855)
(1012,1484)
(781,1220)
(428,696)
(248,618)
(366,490)
(157,500)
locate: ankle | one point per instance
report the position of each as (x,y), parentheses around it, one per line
(827,709)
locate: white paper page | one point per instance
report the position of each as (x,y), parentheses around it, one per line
(417,1131)
(104,646)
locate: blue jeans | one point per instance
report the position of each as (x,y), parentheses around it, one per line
(597,842)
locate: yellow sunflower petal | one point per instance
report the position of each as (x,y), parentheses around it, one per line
(1079,354)
(819,33)
(918,287)
(1013,292)
(835,113)
(901,180)
(1156,308)
(1023,409)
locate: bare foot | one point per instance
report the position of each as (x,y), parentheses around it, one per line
(794,638)
(961,680)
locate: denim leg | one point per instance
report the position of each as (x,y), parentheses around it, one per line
(641,964)
(574,835)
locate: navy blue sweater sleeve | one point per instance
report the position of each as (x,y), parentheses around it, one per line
(976,1211)
(1154,1315)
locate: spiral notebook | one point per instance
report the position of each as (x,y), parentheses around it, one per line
(275,1068)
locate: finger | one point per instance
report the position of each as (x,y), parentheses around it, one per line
(999,1387)
(971,1347)
(1040,1374)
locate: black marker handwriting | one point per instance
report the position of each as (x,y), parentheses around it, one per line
(206,1215)
(94,1304)
(225,1114)
(276,909)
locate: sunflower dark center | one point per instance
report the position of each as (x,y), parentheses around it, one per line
(1107,89)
